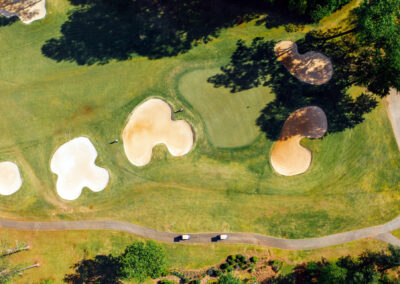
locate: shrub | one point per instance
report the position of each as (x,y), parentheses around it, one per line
(254,259)
(166,281)
(229,268)
(240,258)
(229,279)
(219,273)
(224,266)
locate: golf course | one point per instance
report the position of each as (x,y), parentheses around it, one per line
(208,164)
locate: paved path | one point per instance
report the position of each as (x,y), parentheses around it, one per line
(380,232)
(393,109)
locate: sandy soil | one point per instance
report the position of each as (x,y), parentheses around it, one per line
(288,157)
(311,67)
(10,178)
(74,163)
(393,109)
(27,10)
(150,124)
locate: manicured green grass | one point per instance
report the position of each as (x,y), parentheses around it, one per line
(352,183)
(229,117)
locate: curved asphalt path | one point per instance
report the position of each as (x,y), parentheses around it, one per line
(380,232)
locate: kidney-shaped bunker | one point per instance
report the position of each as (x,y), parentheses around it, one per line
(150,124)
(74,163)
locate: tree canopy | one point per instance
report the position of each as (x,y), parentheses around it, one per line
(143,260)
(378,34)
(313,10)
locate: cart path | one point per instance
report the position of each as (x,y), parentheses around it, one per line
(380,232)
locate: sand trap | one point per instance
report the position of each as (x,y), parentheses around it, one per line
(393,109)
(10,179)
(27,10)
(311,67)
(74,163)
(288,157)
(150,124)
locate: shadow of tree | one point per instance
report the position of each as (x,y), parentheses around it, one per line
(256,65)
(98,31)
(4,21)
(101,269)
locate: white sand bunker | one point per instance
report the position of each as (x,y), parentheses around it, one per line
(27,10)
(10,178)
(311,67)
(74,163)
(288,157)
(150,124)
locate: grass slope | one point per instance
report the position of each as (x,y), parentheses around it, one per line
(352,183)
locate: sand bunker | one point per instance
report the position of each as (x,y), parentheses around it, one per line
(27,10)
(311,67)
(74,163)
(288,157)
(10,179)
(150,124)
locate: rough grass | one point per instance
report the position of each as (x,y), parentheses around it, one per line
(352,183)
(56,257)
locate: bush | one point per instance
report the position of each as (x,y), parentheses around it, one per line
(240,258)
(229,268)
(224,266)
(219,273)
(254,259)
(166,281)
(229,279)
(212,272)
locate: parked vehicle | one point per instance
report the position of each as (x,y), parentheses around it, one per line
(223,237)
(185,237)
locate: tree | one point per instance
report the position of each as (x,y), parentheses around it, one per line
(378,26)
(142,260)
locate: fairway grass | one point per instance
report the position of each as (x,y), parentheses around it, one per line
(352,182)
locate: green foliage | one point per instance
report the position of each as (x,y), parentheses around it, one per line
(369,267)
(165,281)
(229,279)
(142,260)
(379,36)
(254,259)
(313,10)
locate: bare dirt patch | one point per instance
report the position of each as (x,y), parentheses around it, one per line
(288,157)
(311,67)
(150,124)
(27,10)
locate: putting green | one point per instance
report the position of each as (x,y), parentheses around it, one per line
(230,118)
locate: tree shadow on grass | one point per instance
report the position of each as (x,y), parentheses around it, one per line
(98,31)
(103,269)
(256,65)
(4,21)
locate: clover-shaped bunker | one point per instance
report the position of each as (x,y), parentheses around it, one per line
(10,178)
(288,157)
(74,164)
(311,67)
(150,124)
(27,10)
